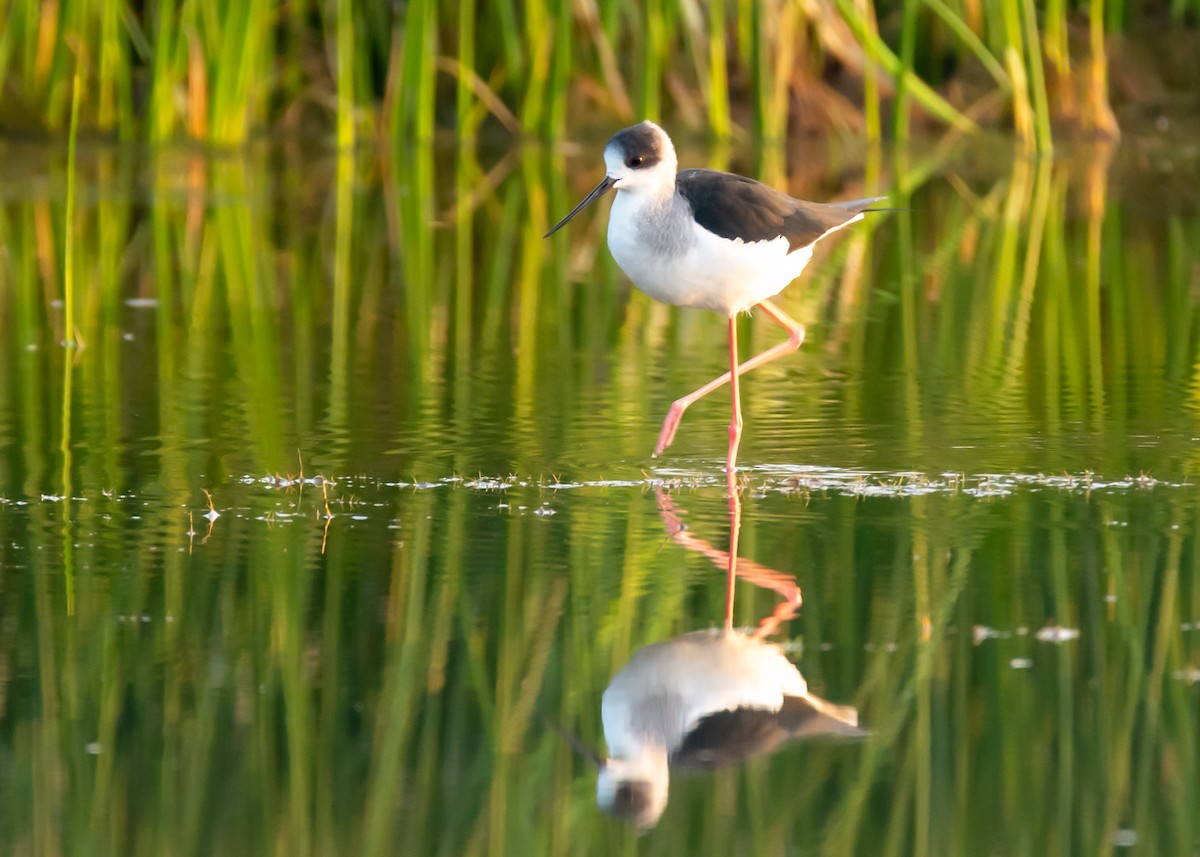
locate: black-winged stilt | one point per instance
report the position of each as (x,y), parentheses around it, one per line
(706,699)
(709,240)
(700,701)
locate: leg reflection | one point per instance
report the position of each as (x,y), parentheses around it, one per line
(752,572)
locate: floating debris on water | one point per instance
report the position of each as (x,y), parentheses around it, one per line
(1056,634)
(488,483)
(1188,675)
(983,632)
(212,514)
(889,648)
(762,480)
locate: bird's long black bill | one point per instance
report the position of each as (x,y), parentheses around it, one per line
(598,192)
(582,750)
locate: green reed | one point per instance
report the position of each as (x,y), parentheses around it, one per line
(317,685)
(226,73)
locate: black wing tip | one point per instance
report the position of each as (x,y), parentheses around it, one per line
(862,205)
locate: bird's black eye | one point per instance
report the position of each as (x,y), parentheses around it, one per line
(634,161)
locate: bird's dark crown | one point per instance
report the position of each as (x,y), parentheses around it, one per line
(631,799)
(640,145)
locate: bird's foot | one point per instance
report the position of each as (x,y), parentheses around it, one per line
(670,424)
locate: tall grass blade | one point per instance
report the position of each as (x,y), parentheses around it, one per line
(921,92)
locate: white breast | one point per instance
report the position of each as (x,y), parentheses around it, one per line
(674,260)
(668,687)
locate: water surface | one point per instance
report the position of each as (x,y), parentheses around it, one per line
(434,521)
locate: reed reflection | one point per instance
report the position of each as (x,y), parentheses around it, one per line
(710,698)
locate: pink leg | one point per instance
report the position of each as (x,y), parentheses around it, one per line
(735,427)
(675,414)
(750,571)
(735,527)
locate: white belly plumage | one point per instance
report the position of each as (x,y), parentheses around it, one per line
(668,687)
(700,269)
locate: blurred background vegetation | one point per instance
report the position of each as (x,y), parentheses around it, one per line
(991,430)
(225,71)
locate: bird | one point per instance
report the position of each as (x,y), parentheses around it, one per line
(709,240)
(704,700)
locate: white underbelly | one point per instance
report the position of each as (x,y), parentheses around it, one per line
(708,272)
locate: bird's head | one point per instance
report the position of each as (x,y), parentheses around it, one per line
(638,159)
(634,790)
(641,158)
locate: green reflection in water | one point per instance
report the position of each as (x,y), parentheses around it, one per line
(989,432)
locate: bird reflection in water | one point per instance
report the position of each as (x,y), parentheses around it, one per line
(707,699)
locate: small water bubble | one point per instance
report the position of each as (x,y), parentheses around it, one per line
(1124,838)
(92,748)
(1020,663)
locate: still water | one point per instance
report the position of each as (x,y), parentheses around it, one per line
(329,492)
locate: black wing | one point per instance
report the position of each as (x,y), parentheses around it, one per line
(730,737)
(734,206)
